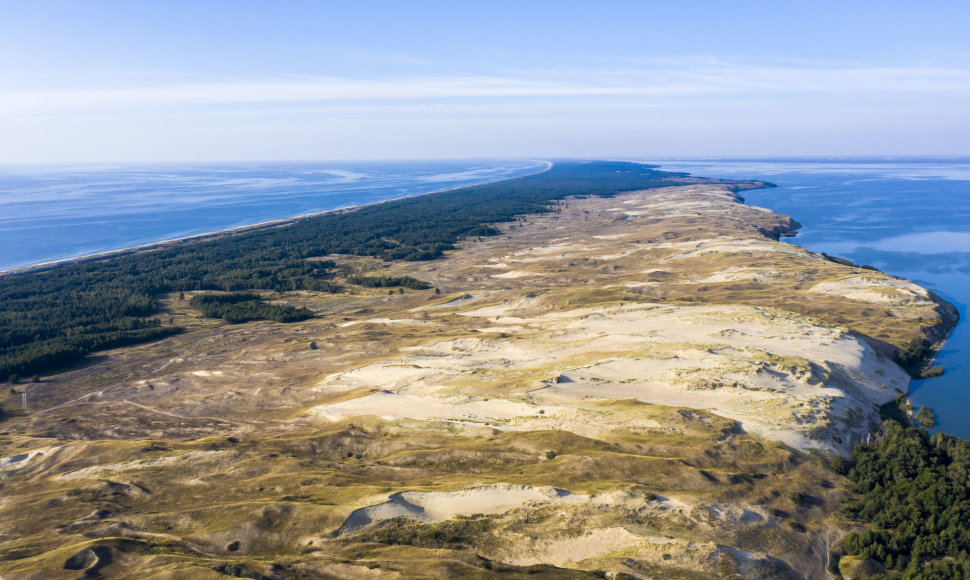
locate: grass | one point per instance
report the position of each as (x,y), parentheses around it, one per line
(312,474)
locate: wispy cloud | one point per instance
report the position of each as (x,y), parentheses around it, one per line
(669,81)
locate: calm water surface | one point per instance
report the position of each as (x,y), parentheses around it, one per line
(907,219)
(57,212)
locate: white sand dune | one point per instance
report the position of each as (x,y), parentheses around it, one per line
(781,375)
(593,543)
(429,506)
(877,290)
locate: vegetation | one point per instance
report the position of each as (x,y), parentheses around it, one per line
(915,494)
(915,353)
(243,307)
(54,317)
(897,410)
(458,532)
(388,282)
(926,417)
(845,262)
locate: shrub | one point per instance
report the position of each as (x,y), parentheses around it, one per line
(926,417)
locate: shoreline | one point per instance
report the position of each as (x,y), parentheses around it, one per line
(282,222)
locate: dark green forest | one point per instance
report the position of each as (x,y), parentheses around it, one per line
(387,282)
(243,307)
(52,318)
(915,499)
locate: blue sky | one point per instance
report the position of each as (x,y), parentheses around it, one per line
(236,80)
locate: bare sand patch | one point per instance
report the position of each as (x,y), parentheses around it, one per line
(782,375)
(876,290)
(516,274)
(429,506)
(390,322)
(737,274)
(99,471)
(389,405)
(592,544)
(22,460)
(706,249)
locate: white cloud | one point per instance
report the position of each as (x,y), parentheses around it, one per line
(658,82)
(692,107)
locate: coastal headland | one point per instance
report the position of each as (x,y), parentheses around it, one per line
(645,383)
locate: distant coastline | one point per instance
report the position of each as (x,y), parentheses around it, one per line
(85,258)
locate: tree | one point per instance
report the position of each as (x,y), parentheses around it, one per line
(926,417)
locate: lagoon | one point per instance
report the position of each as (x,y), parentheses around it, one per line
(907,218)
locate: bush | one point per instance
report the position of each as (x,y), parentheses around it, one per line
(914,354)
(926,417)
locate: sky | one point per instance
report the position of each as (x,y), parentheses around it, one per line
(133,81)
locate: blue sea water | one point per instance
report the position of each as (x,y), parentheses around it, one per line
(50,213)
(909,219)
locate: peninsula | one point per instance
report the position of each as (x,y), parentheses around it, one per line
(620,372)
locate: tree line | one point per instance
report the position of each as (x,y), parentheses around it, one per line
(243,307)
(387,282)
(54,317)
(915,497)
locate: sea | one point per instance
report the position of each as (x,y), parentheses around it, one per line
(52,213)
(908,218)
